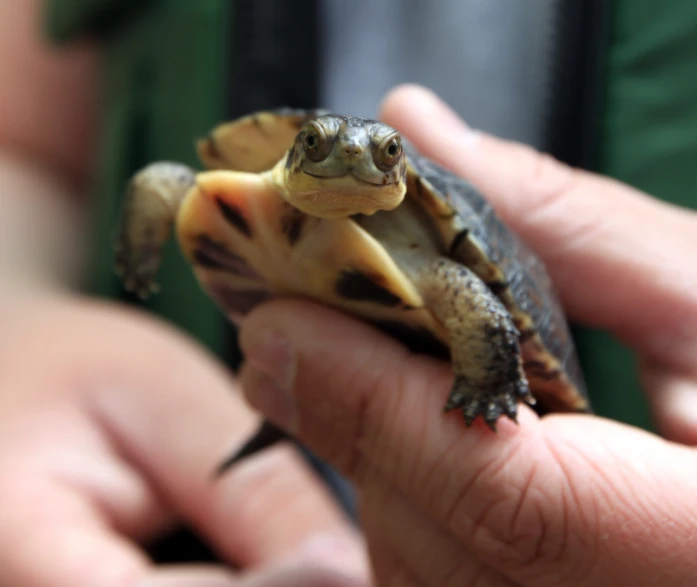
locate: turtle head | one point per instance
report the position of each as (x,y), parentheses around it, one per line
(339,166)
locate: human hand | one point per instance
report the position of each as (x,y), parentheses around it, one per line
(563,500)
(111,425)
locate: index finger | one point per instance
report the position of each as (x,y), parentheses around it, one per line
(619,258)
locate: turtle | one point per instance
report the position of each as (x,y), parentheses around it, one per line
(343,211)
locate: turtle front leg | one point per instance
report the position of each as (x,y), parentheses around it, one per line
(486,357)
(150,207)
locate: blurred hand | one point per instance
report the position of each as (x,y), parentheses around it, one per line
(111,425)
(565,500)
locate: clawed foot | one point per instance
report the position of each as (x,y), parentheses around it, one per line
(150,205)
(137,267)
(488,403)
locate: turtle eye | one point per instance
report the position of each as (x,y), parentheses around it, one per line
(316,142)
(388,152)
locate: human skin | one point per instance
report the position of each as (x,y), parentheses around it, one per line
(566,500)
(111,423)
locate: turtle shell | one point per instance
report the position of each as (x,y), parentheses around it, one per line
(471,234)
(474,235)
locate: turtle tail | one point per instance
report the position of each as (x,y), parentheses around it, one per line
(265,437)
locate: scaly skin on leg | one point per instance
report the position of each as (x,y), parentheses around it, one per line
(486,358)
(149,209)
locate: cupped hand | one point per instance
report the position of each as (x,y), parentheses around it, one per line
(110,428)
(563,500)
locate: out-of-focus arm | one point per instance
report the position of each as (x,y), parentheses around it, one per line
(47,132)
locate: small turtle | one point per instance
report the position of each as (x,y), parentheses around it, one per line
(340,210)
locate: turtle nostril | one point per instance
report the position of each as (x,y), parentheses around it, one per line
(353,150)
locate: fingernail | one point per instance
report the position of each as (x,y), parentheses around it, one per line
(338,550)
(270,376)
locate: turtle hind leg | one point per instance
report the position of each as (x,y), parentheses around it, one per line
(486,356)
(150,207)
(497,392)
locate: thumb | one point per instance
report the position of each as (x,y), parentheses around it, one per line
(562,500)
(613,252)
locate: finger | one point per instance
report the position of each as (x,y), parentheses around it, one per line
(50,535)
(617,256)
(413,544)
(159,416)
(72,542)
(282,511)
(186,576)
(283,575)
(257,513)
(672,400)
(317,575)
(530,500)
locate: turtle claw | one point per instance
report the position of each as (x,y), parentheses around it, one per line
(137,269)
(488,403)
(141,288)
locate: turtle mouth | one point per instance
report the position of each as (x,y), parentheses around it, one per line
(342,193)
(351,174)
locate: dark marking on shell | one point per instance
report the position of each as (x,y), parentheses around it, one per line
(237,301)
(292,223)
(214,255)
(419,187)
(457,241)
(359,286)
(540,370)
(497,287)
(203,258)
(526,334)
(234,217)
